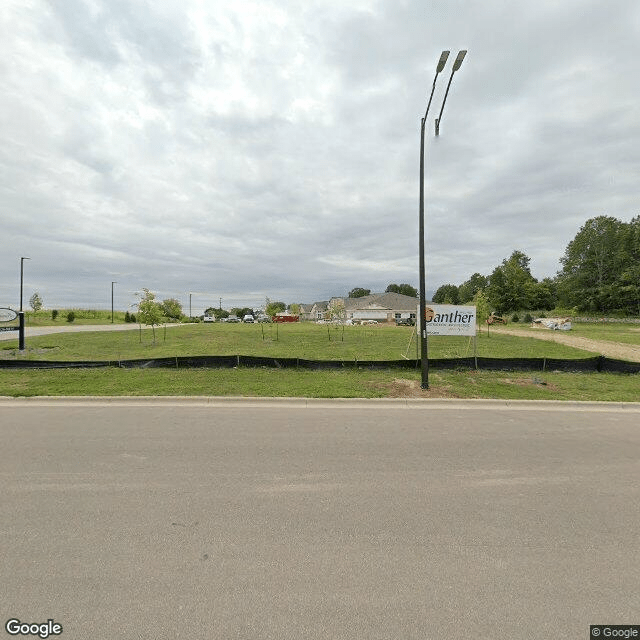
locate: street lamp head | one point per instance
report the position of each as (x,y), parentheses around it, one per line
(459,58)
(443,60)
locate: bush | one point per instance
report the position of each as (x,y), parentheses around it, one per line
(514,318)
(71,316)
(528,318)
(54,314)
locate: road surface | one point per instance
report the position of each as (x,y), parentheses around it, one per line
(207,519)
(72,328)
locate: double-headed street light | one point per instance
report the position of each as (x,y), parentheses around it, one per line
(424,354)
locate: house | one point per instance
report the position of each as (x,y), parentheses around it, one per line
(313,312)
(382,307)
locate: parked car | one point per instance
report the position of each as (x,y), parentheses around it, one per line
(233,319)
(249,319)
(208,319)
(405,322)
(263,318)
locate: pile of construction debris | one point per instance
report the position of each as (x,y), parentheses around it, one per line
(555,324)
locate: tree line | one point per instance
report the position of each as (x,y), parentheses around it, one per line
(600,274)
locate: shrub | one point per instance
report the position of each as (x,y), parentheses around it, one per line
(54,314)
(71,316)
(514,318)
(528,318)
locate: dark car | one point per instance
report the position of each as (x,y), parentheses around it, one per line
(405,322)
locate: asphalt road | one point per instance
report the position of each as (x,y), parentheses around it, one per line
(72,328)
(294,520)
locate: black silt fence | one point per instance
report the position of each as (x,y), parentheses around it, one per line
(596,364)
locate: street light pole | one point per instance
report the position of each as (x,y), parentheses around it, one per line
(112,283)
(190,315)
(424,349)
(424,360)
(22,278)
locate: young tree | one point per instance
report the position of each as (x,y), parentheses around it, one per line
(483,309)
(295,309)
(274,307)
(149,311)
(336,309)
(35,301)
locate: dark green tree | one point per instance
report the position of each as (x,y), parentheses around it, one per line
(172,309)
(593,265)
(359,292)
(446,294)
(467,290)
(216,313)
(510,284)
(404,289)
(241,312)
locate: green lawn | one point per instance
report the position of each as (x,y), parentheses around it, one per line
(296,340)
(308,341)
(319,384)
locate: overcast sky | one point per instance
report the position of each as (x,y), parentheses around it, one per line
(246,149)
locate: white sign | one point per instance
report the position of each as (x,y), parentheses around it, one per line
(7,315)
(450,320)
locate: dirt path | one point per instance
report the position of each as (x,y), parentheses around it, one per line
(617,350)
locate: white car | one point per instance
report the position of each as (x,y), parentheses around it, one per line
(249,318)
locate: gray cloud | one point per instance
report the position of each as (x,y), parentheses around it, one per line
(271,149)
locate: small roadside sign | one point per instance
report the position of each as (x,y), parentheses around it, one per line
(7,315)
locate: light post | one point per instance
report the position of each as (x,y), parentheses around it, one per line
(190,316)
(22,278)
(424,351)
(112,283)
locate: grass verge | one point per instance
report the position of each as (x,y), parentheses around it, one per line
(320,384)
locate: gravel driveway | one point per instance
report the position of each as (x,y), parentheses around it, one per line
(617,350)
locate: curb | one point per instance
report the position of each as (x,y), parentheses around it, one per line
(324,403)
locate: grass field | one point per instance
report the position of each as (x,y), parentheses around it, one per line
(304,341)
(295,340)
